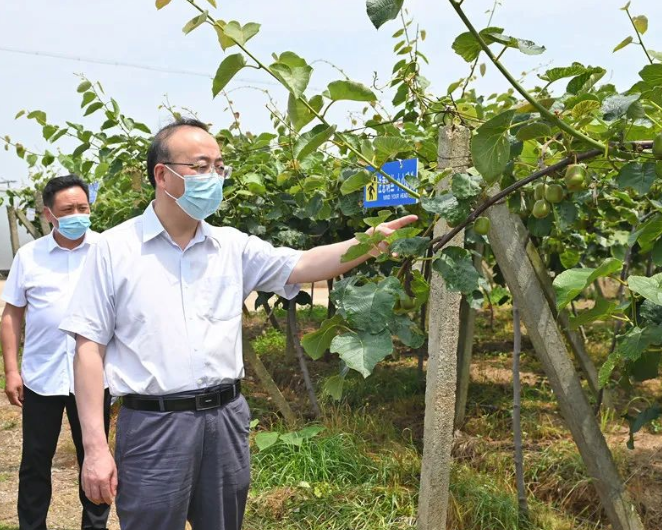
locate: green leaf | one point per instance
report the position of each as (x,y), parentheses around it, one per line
(467,47)
(349,90)
(355,182)
(264,440)
(410,246)
(652,74)
(195,22)
(84,86)
(362,351)
(533,131)
(571,283)
(369,307)
(554,74)
(298,112)
(585,108)
(407,331)
(309,141)
(456,267)
(39,116)
(317,342)
(160,4)
(465,186)
(490,147)
(390,146)
(651,413)
(226,71)
(80,149)
(657,253)
(294,78)
(607,368)
(602,309)
(638,340)
(646,367)
(639,177)
(648,287)
(381,11)
(650,232)
(641,23)
(212,2)
(617,106)
(623,44)
(88,98)
(235,33)
(93,108)
(356,251)
(447,206)
(333,386)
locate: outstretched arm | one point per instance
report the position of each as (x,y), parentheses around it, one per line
(322,263)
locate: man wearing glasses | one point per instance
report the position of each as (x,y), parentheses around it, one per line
(159,310)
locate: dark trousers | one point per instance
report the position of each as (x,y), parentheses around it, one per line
(42,421)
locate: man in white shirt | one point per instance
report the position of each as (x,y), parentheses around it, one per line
(40,283)
(158,309)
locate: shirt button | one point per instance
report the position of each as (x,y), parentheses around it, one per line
(200,381)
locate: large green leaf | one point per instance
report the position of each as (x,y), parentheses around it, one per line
(356,181)
(650,232)
(295,78)
(468,47)
(646,416)
(226,71)
(369,307)
(490,147)
(638,340)
(601,310)
(617,106)
(533,131)
(554,74)
(264,440)
(640,177)
(652,74)
(572,282)
(407,331)
(389,146)
(309,141)
(456,267)
(234,33)
(381,11)
(410,246)
(349,90)
(299,114)
(448,207)
(465,186)
(648,287)
(362,351)
(317,342)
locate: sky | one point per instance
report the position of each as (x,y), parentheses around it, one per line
(339,31)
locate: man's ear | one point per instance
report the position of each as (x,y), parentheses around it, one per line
(159,175)
(48,214)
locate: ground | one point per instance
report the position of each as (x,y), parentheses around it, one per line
(362,472)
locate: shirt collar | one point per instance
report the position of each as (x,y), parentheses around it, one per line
(152,227)
(89,238)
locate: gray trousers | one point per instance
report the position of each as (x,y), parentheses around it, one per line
(179,466)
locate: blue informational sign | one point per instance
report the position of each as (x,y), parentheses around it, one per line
(381,192)
(94,190)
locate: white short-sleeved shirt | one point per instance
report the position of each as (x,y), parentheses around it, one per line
(42,277)
(171,318)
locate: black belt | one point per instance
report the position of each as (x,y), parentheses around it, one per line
(203,401)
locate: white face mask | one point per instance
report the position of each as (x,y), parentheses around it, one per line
(202,194)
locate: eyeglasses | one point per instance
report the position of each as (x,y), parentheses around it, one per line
(202,168)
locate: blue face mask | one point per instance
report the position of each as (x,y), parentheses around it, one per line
(73,226)
(202,195)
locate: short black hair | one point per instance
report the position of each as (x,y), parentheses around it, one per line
(62,183)
(158,149)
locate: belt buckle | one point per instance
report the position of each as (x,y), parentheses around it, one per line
(211,400)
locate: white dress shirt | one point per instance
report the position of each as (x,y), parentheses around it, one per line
(42,277)
(171,318)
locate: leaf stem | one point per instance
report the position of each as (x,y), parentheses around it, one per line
(525,94)
(641,42)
